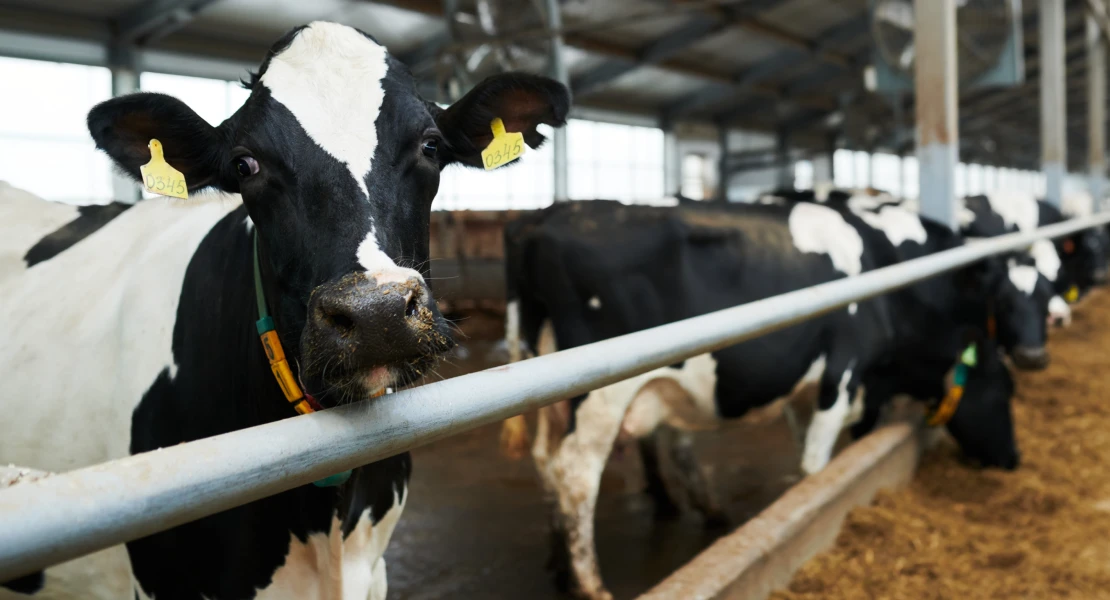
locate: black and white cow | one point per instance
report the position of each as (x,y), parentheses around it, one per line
(1076,260)
(141,334)
(594,270)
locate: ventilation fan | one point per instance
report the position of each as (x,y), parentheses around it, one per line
(988,43)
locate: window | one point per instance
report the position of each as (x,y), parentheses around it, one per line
(694,176)
(213,99)
(803,175)
(45,147)
(530,183)
(614,162)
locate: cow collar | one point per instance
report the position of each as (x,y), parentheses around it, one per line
(302,402)
(942,413)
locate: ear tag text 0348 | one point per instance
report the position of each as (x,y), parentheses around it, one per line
(160,178)
(504,148)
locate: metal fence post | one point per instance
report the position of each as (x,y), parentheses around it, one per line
(936,86)
(1054,153)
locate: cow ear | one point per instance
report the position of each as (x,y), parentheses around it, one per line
(124,126)
(520,100)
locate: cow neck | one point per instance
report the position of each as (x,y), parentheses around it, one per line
(941,413)
(302,402)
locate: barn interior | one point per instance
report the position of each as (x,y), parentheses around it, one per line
(704,99)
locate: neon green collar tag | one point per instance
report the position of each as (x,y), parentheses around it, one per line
(160,178)
(969,356)
(1072,294)
(504,148)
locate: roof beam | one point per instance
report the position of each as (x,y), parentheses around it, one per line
(662,49)
(669,45)
(157,19)
(743,81)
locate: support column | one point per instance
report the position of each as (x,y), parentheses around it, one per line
(832,142)
(1054,140)
(936,85)
(785,169)
(1096,113)
(722,165)
(125,80)
(558,70)
(672,162)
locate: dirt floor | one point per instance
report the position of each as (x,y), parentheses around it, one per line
(1042,531)
(475,524)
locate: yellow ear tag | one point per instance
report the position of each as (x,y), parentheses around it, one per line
(505,147)
(160,178)
(1072,294)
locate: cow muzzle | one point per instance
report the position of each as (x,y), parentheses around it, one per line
(1029,358)
(372,332)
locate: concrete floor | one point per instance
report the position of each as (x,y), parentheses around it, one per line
(475,525)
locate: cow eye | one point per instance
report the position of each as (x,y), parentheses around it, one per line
(245,166)
(430,148)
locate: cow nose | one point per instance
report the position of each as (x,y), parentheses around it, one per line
(1030,358)
(364,323)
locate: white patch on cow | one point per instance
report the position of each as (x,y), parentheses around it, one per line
(1024,277)
(853,308)
(36,218)
(328,567)
(686,402)
(1078,204)
(1059,311)
(821,230)
(594,303)
(248,224)
(1046,258)
(112,303)
(825,428)
(330,78)
(379,265)
(898,224)
(1017,208)
(965,216)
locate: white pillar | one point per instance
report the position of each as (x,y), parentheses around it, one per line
(559,73)
(672,163)
(1054,158)
(936,108)
(125,80)
(1096,112)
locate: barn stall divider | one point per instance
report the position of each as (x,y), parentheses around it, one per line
(100,506)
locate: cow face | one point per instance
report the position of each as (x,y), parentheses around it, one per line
(1018,313)
(983,424)
(1083,259)
(337,160)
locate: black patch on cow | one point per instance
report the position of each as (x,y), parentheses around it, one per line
(28,584)
(223,383)
(88,221)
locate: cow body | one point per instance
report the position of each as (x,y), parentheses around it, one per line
(133,329)
(595,270)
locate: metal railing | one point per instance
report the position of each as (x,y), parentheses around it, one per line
(68,515)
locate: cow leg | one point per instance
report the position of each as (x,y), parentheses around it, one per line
(573,473)
(838,387)
(694,482)
(665,507)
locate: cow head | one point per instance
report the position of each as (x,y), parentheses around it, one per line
(1012,308)
(983,424)
(1083,259)
(337,159)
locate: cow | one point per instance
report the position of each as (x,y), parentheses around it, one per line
(1076,261)
(145,332)
(594,270)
